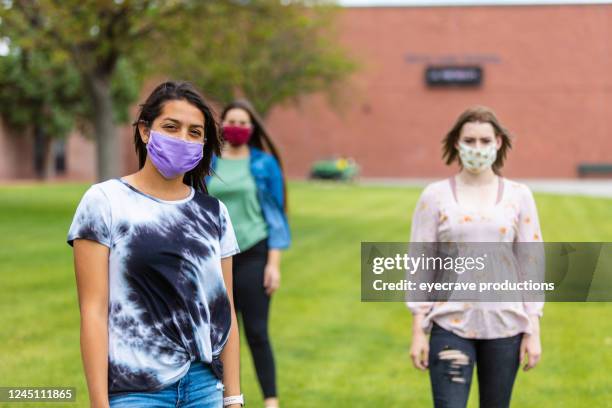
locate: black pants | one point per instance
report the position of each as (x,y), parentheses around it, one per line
(451,363)
(252,305)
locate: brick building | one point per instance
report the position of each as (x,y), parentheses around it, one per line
(545,69)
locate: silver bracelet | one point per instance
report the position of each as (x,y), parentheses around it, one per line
(234,399)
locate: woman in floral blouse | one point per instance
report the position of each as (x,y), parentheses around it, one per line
(475,205)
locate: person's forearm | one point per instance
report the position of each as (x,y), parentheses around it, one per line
(535,324)
(274,257)
(94,350)
(230,356)
(417,321)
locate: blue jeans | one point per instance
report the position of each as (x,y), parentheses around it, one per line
(451,363)
(199,387)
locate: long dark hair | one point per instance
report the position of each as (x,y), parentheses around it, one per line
(152,108)
(260,138)
(477,114)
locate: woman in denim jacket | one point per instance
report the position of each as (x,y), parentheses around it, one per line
(249,181)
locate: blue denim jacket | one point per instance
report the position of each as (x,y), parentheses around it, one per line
(270,193)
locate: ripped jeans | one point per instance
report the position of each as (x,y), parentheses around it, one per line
(451,363)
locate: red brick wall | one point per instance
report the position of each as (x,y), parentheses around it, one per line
(549,78)
(547,73)
(16,154)
(80,158)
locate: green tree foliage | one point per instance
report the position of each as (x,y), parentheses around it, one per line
(267,50)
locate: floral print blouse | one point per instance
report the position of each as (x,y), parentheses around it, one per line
(439,217)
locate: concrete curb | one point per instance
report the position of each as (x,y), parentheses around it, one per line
(590,188)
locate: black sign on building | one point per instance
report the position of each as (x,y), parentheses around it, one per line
(453,76)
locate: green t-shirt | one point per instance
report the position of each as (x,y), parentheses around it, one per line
(234,185)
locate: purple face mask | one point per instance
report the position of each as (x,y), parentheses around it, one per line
(171,156)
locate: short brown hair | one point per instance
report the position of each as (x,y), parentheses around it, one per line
(476,114)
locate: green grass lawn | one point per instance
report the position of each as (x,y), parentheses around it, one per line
(331,349)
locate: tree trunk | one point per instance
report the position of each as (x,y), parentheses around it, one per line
(50,169)
(108,154)
(42,153)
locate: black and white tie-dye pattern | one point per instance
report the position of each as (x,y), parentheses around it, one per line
(168,304)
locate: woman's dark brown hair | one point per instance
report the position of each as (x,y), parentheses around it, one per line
(260,138)
(152,108)
(480,114)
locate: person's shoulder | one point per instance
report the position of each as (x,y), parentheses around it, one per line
(110,190)
(436,188)
(433,194)
(261,155)
(205,198)
(209,202)
(517,188)
(102,191)
(256,151)
(108,186)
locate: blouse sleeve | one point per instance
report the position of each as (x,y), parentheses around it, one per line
(92,219)
(530,250)
(423,238)
(227,240)
(277,188)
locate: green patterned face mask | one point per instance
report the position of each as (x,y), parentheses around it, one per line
(476,160)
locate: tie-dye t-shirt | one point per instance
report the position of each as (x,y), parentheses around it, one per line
(168,303)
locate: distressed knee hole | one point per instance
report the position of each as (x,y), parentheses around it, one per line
(455,361)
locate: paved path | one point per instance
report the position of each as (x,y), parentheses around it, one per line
(585,187)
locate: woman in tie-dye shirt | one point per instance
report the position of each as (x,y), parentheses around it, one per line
(153,265)
(476,205)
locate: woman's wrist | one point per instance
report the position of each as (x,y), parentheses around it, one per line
(234,400)
(274,257)
(535,325)
(418,333)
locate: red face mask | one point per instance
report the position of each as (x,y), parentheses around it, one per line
(236,135)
